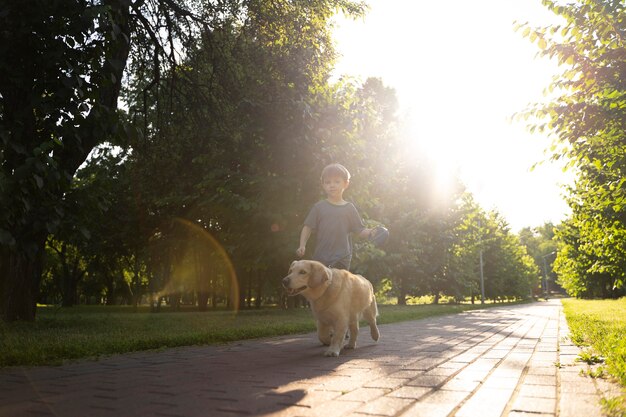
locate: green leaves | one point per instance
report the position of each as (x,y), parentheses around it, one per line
(587,117)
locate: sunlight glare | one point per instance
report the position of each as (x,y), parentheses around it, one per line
(460,72)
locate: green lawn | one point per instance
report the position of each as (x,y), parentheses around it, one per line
(61,334)
(600,327)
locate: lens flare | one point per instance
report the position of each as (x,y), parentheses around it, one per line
(203,245)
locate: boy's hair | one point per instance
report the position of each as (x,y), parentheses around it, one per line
(335,170)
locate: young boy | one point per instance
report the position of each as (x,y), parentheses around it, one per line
(333,220)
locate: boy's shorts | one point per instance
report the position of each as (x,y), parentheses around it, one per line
(340,264)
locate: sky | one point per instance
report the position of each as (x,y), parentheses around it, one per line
(460,72)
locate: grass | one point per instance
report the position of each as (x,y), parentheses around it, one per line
(61,334)
(600,327)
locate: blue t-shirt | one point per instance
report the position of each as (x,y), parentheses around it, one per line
(333,225)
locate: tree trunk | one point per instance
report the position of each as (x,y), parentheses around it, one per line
(109,278)
(259,290)
(175,301)
(402,292)
(238,296)
(249,290)
(436,298)
(19,282)
(72,275)
(203,300)
(402,298)
(70,290)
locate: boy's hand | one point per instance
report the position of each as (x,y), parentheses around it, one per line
(300,251)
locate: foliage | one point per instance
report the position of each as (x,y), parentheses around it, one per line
(234,132)
(542,247)
(600,325)
(61,65)
(195,188)
(586,114)
(580,270)
(508,270)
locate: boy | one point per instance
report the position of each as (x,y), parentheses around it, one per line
(333,220)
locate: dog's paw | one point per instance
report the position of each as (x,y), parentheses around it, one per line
(350,346)
(375,334)
(325,341)
(331,352)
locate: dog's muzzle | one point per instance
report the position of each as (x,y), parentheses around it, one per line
(292,291)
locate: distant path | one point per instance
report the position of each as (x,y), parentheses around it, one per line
(486,363)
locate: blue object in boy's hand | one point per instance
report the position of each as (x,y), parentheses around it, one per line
(379,236)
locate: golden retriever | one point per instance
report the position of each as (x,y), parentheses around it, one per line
(338,298)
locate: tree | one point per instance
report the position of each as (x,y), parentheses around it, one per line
(509,270)
(585,267)
(465,260)
(234,131)
(541,245)
(61,69)
(61,65)
(586,115)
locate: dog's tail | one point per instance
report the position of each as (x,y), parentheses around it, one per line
(373,313)
(373,306)
(373,327)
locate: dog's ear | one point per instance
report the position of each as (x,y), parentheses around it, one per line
(319,275)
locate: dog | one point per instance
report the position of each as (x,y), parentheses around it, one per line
(338,298)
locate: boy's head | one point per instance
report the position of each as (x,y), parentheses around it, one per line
(335,170)
(335,180)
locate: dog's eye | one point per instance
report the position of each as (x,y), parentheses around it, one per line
(302,272)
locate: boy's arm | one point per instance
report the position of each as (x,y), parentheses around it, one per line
(304,237)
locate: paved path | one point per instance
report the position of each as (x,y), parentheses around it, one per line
(494,362)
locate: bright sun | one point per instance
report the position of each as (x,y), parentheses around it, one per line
(460,72)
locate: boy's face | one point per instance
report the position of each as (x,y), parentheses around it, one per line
(334,186)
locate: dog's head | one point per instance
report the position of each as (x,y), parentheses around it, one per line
(305,275)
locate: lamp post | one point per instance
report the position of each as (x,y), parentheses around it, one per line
(545,274)
(480,254)
(482,279)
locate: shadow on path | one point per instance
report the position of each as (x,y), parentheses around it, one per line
(449,365)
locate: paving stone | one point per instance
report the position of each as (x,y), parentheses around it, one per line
(385,406)
(459,384)
(363,394)
(486,402)
(537,391)
(427,380)
(535,405)
(549,380)
(410,392)
(501,380)
(492,362)
(577,405)
(528,414)
(438,404)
